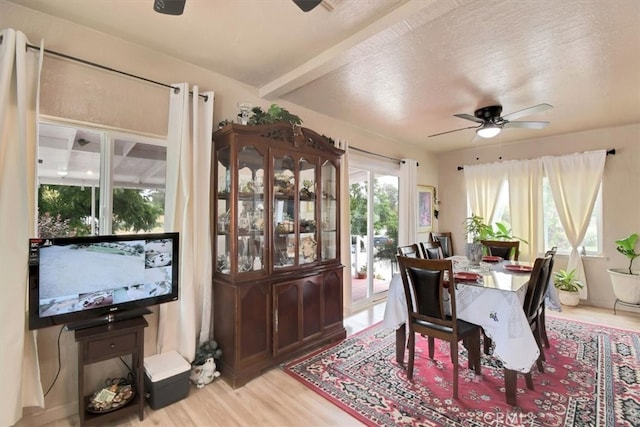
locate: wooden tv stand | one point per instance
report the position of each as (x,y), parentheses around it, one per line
(106,342)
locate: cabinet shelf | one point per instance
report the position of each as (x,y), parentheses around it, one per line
(250,196)
(285,197)
(250,233)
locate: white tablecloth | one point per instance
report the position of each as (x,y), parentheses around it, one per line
(499,312)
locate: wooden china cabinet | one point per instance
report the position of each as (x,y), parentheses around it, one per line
(277,285)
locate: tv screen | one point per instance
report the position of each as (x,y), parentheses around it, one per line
(84,281)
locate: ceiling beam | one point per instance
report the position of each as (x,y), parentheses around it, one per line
(355,45)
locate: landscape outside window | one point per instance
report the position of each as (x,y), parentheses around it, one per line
(373,212)
(69,192)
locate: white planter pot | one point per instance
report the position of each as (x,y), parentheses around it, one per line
(474,253)
(626,287)
(569,298)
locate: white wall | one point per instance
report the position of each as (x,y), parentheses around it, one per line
(82,93)
(621,192)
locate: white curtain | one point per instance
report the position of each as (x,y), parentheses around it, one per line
(186,323)
(483,183)
(19,85)
(575,180)
(408,208)
(345,224)
(525,197)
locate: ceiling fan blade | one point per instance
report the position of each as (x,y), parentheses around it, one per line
(526,125)
(469,117)
(169,7)
(307,5)
(450,131)
(525,112)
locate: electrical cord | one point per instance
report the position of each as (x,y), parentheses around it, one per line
(131,376)
(59,364)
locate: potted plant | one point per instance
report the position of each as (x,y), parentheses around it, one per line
(362,274)
(568,287)
(475,229)
(626,281)
(500,232)
(274,114)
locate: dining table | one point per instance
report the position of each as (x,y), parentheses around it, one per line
(490,294)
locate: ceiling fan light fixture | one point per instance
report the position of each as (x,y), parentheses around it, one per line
(488,130)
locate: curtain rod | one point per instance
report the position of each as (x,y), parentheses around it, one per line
(376,154)
(113,70)
(611,152)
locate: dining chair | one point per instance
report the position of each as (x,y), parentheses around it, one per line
(423,281)
(445,241)
(412,251)
(505,249)
(534,300)
(431,250)
(542,315)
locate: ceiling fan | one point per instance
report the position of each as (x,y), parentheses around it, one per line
(307,5)
(176,7)
(491,123)
(169,7)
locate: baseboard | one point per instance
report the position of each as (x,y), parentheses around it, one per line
(33,417)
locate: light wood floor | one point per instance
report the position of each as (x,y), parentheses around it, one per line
(276,399)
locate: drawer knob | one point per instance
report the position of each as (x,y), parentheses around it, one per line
(112,346)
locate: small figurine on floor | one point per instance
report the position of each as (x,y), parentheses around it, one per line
(203,368)
(202,375)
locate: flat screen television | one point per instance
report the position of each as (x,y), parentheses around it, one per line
(85,281)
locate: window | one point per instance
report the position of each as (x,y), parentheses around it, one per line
(552,233)
(95,181)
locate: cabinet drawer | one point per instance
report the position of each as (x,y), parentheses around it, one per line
(102,349)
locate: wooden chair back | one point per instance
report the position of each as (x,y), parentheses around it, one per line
(425,280)
(445,242)
(412,251)
(431,250)
(534,298)
(504,249)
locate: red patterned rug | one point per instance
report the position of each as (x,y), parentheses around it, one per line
(592,378)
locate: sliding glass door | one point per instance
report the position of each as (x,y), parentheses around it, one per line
(373,194)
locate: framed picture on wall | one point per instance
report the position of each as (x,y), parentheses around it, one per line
(425,208)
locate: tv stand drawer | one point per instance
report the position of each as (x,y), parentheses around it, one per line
(112,346)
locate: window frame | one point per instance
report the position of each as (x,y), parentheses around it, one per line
(108,137)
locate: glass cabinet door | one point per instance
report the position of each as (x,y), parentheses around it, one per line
(284,192)
(223,212)
(329,220)
(250,211)
(307,250)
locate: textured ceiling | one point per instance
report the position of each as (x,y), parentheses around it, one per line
(403,68)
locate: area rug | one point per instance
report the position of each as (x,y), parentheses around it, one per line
(591,378)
